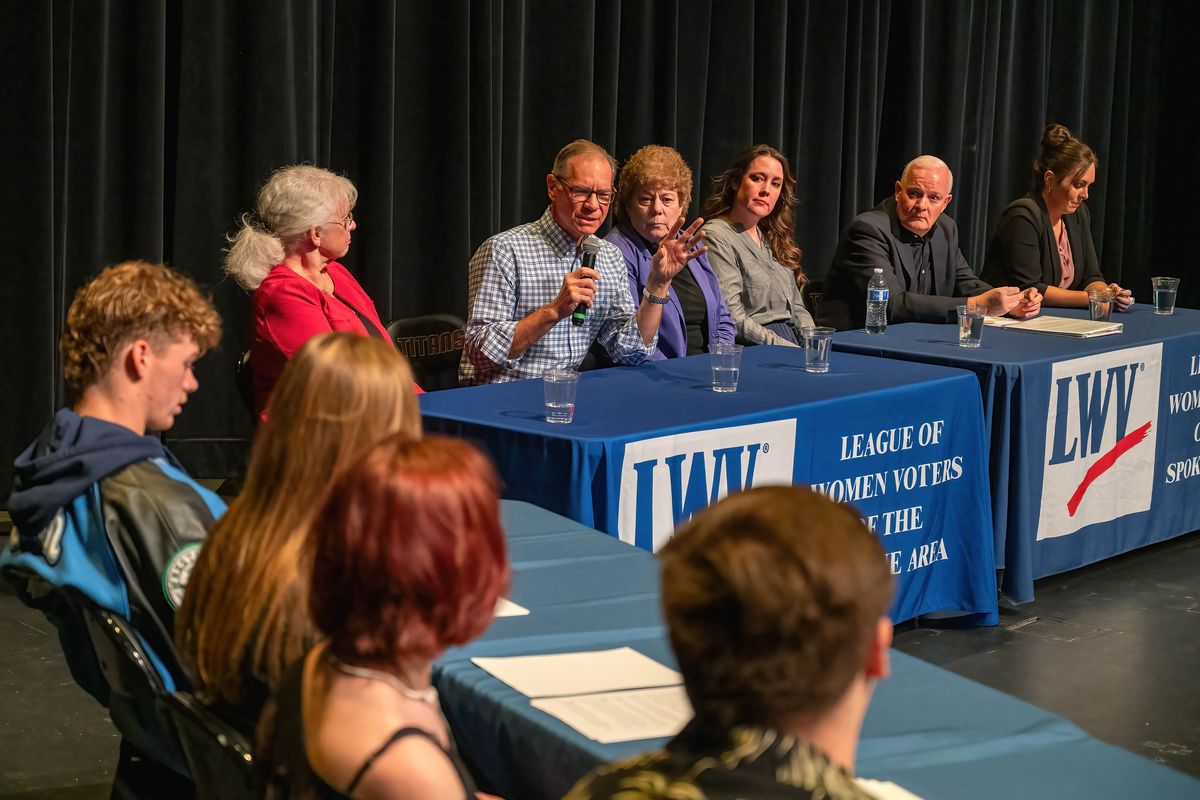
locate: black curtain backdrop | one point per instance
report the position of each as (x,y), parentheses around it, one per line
(143,129)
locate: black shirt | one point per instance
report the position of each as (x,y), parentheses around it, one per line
(283,753)
(922,256)
(695,311)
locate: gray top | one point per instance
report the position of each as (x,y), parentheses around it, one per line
(757,288)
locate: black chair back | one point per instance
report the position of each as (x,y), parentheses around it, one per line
(135,688)
(218,755)
(812,293)
(433,345)
(243,379)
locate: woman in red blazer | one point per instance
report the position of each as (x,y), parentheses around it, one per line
(287,256)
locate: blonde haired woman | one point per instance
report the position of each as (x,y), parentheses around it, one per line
(245,614)
(287,256)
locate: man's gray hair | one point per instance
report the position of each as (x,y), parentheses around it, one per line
(581,147)
(928,162)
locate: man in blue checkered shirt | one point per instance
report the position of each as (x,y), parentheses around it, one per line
(526,282)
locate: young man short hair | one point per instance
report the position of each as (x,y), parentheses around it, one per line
(776,601)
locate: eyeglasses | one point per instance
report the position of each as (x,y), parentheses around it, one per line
(580,194)
(345,221)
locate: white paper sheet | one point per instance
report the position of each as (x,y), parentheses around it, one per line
(1000,322)
(622,716)
(579,673)
(885,790)
(507,608)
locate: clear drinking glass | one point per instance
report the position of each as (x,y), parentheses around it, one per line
(1164,295)
(1100,303)
(560,386)
(726,364)
(817,343)
(970,326)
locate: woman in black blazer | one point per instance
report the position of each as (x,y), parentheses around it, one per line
(1044,239)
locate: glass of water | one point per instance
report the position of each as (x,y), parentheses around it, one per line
(1164,295)
(1100,303)
(970,326)
(560,386)
(726,364)
(816,349)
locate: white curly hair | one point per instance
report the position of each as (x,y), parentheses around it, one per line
(293,200)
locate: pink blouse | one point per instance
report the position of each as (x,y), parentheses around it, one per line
(1064,258)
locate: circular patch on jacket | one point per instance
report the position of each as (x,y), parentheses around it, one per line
(179,569)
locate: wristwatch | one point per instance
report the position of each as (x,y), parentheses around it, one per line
(653,298)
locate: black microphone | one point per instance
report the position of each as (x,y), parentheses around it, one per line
(591,246)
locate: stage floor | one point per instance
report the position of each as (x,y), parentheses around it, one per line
(1111,647)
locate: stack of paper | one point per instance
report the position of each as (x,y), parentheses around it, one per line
(607,695)
(1059,326)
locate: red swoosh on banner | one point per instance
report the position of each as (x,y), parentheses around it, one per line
(1104,463)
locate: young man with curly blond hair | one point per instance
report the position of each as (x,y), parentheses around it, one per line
(101,508)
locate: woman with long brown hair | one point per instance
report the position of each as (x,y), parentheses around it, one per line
(245,617)
(750,235)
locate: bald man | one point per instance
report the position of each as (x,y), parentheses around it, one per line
(917,248)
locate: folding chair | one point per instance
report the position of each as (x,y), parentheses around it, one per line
(218,755)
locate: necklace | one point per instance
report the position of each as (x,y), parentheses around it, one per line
(314,281)
(429,695)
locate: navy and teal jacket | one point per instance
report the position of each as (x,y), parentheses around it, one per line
(112,515)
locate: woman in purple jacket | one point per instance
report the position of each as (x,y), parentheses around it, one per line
(655,188)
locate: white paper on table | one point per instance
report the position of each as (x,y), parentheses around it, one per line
(507,608)
(885,790)
(579,673)
(1060,326)
(622,716)
(1000,322)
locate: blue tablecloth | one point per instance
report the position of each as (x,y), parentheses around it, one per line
(942,736)
(652,444)
(1095,443)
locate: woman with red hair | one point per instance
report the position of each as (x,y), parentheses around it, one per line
(408,559)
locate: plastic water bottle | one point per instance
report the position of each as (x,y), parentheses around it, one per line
(877,300)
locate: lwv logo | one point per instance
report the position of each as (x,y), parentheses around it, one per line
(1100,441)
(667,479)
